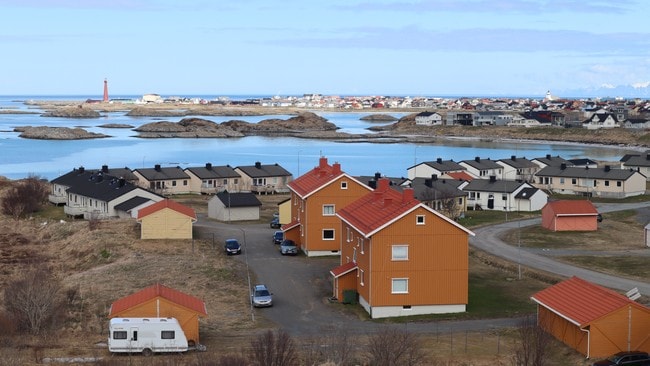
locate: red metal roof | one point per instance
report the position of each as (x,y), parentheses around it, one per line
(343,269)
(572,207)
(290,225)
(378,208)
(158,290)
(316,178)
(460,176)
(167,203)
(581,302)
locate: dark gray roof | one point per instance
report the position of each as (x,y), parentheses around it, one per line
(518,163)
(593,173)
(495,186)
(162,173)
(260,170)
(526,193)
(427,189)
(582,162)
(637,160)
(210,172)
(443,165)
(371,180)
(101,187)
(549,160)
(131,203)
(80,173)
(482,164)
(238,199)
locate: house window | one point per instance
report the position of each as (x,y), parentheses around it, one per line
(400,252)
(361,277)
(561,180)
(185,182)
(328,210)
(236,181)
(167,334)
(328,234)
(344,185)
(173,183)
(225,182)
(119,334)
(574,181)
(259,181)
(504,197)
(400,286)
(606,183)
(460,201)
(419,220)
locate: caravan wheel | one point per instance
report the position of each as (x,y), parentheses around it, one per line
(147,352)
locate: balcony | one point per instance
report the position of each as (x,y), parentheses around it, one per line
(74,210)
(57,199)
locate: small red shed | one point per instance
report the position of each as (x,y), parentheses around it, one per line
(570,215)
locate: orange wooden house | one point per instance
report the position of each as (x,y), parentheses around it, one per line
(570,215)
(315,198)
(593,320)
(159,301)
(400,256)
(166,219)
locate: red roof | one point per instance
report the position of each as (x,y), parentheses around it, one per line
(158,290)
(460,176)
(378,208)
(572,207)
(167,203)
(581,302)
(343,269)
(316,178)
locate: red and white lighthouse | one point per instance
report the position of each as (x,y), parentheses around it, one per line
(105,90)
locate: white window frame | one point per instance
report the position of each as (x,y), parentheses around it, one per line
(395,281)
(397,249)
(333,234)
(326,210)
(420,220)
(344,185)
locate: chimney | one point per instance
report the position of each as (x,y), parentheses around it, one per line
(407,195)
(105,168)
(439,160)
(608,168)
(258,165)
(81,170)
(383,184)
(372,184)
(477,159)
(548,156)
(208,166)
(121,181)
(322,162)
(562,166)
(377,176)
(336,168)
(493,178)
(513,158)
(157,167)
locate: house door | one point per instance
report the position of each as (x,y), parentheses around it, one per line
(490,202)
(133,340)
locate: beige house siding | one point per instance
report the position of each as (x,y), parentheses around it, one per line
(217,210)
(166,224)
(633,186)
(165,187)
(213,185)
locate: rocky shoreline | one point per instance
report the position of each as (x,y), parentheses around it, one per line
(307,124)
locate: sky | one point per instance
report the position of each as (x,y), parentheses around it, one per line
(333,47)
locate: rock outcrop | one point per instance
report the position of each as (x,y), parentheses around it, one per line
(72,112)
(187,127)
(378,118)
(56,133)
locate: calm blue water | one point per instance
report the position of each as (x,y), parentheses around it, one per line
(20,158)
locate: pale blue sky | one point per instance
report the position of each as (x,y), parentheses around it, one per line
(342,47)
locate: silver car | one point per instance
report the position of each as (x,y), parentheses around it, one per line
(261,296)
(288,246)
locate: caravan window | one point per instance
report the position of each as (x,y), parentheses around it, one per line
(119,334)
(167,334)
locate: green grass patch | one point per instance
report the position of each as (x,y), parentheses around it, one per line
(630,266)
(51,212)
(488,217)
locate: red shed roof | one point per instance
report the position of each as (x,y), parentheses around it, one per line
(167,203)
(460,176)
(572,207)
(343,269)
(316,178)
(158,290)
(580,301)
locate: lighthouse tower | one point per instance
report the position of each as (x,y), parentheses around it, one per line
(105,90)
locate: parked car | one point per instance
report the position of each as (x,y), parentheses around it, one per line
(288,247)
(278,236)
(232,246)
(275,223)
(261,296)
(632,358)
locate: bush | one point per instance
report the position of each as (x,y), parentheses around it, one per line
(26,197)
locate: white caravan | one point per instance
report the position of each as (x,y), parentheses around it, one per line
(146,335)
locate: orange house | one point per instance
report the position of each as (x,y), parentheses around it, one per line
(315,198)
(593,320)
(570,215)
(158,301)
(401,257)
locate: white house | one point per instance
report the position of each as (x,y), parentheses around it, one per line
(428,119)
(503,195)
(226,206)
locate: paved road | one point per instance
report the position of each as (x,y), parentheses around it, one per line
(487,239)
(301,286)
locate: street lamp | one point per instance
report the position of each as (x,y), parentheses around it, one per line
(523,195)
